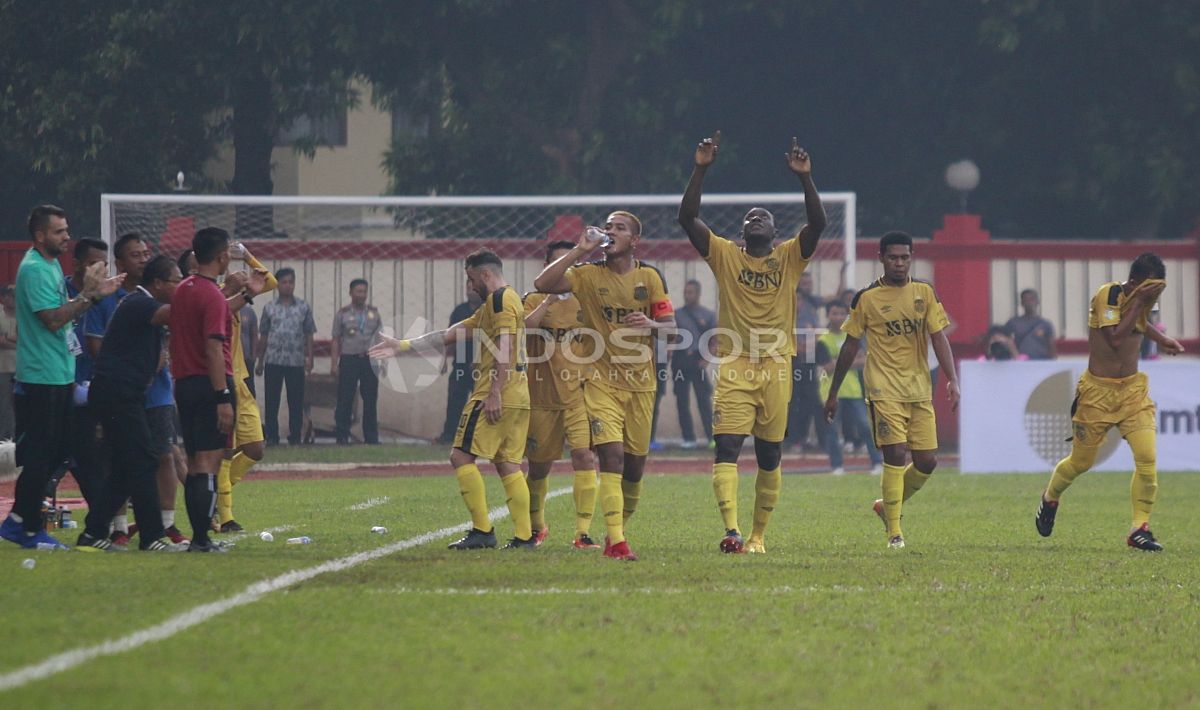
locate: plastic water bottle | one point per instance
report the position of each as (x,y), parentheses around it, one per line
(266,536)
(49,546)
(379,530)
(595,233)
(302,540)
(29,563)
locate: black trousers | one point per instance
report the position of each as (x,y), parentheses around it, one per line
(690,375)
(355,373)
(90,465)
(805,407)
(457,393)
(43,424)
(274,379)
(121,412)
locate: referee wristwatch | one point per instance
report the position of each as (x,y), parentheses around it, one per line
(224,396)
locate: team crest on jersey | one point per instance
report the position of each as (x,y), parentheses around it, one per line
(1080,433)
(716,416)
(640,293)
(884,429)
(919,304)
(597,427)
(773,263)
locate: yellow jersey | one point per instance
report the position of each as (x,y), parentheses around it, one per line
(757,297)
(1109,303)
(897,322)
(500,314)
(622,357)
(555,378)
(240,372)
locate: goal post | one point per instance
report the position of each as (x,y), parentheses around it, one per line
(411,249)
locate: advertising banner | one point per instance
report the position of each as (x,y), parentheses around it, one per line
(1016,416)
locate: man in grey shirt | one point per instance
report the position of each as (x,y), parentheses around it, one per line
(354,330)
(1034,334)
(285,356)
(690,365)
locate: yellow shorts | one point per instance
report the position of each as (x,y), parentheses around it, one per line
(549,429)
(502,441)
(247,426)
(752,397)
(619,415)
(911,423)
(1102,403)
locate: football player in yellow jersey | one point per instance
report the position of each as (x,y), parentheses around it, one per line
(1111,392)
(624,304)
(557,415)
(899,316)
(247,431)
(495,420)
(756,320)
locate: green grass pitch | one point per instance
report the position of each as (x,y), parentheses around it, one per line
(977,611)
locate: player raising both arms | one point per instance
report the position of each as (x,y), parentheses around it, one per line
(757,314)
(557,414)
(899,315)
(1112,393)
(495,421)
(625,303)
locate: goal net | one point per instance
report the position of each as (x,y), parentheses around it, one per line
(410,249)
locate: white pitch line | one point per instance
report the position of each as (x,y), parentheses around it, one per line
(197,615)
(607,591)
(369,503)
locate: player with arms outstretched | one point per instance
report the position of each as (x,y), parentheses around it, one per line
(757,315)
(898,315)
(1111,392)
(495,421)
(625,303)
(557,415)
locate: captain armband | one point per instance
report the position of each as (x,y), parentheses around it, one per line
(662,308)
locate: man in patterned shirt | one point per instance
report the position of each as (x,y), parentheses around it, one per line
(285,355)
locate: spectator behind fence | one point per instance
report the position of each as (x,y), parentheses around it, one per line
(852,407)
(285,355)
(805,405)
(690,365)
(459,357)
(1033,334)
(354,329)
(998,344)
(8,358)
(45,368)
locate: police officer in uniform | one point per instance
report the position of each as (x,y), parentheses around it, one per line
(354,329)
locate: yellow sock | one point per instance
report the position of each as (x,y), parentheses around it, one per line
(537,501)
(517,493)
(631,492)
(470,484)
(893,497)
(585,501)
(766,494)
(239,466)
(1143,488)
(724,482)
(612,500)
(1065,473)
(913,480)
(224,493)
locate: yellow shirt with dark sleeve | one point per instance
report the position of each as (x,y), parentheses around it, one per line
(626,357)
(554,380)
(500,314)
(757,297)
(897,322)
(235,348)
(1108,305)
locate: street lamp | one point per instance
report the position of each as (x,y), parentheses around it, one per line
(963,177)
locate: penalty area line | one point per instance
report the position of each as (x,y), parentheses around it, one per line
(195,616)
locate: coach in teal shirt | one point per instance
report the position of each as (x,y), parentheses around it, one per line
(45,372)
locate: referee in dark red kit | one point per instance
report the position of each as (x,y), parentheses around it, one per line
(201,327)
(124,369)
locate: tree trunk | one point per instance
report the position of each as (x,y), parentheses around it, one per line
(253,139)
